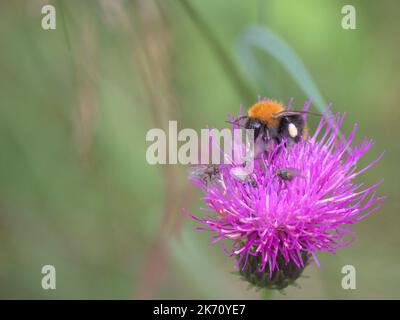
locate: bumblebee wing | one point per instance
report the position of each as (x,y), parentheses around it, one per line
(288,113)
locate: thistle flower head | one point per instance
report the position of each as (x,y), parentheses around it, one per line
(271,223)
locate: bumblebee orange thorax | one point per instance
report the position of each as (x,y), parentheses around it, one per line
(264,110)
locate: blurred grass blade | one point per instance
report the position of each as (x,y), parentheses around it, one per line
(269,42)
(227,63)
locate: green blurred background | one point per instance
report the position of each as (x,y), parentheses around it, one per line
(76,103)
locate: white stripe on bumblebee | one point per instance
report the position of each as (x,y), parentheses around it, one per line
(293,132)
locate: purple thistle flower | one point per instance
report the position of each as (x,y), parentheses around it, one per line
(276,224)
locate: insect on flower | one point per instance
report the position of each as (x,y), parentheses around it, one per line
(288,174)
(243,175)
(207,173)
(271,120)
(275,229)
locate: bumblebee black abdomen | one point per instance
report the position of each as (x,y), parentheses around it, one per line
(291,128)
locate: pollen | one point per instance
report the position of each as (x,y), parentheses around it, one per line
(264,110)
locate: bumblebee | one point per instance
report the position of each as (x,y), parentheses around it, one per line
(271,120)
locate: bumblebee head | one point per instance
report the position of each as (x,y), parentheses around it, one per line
(257,125)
